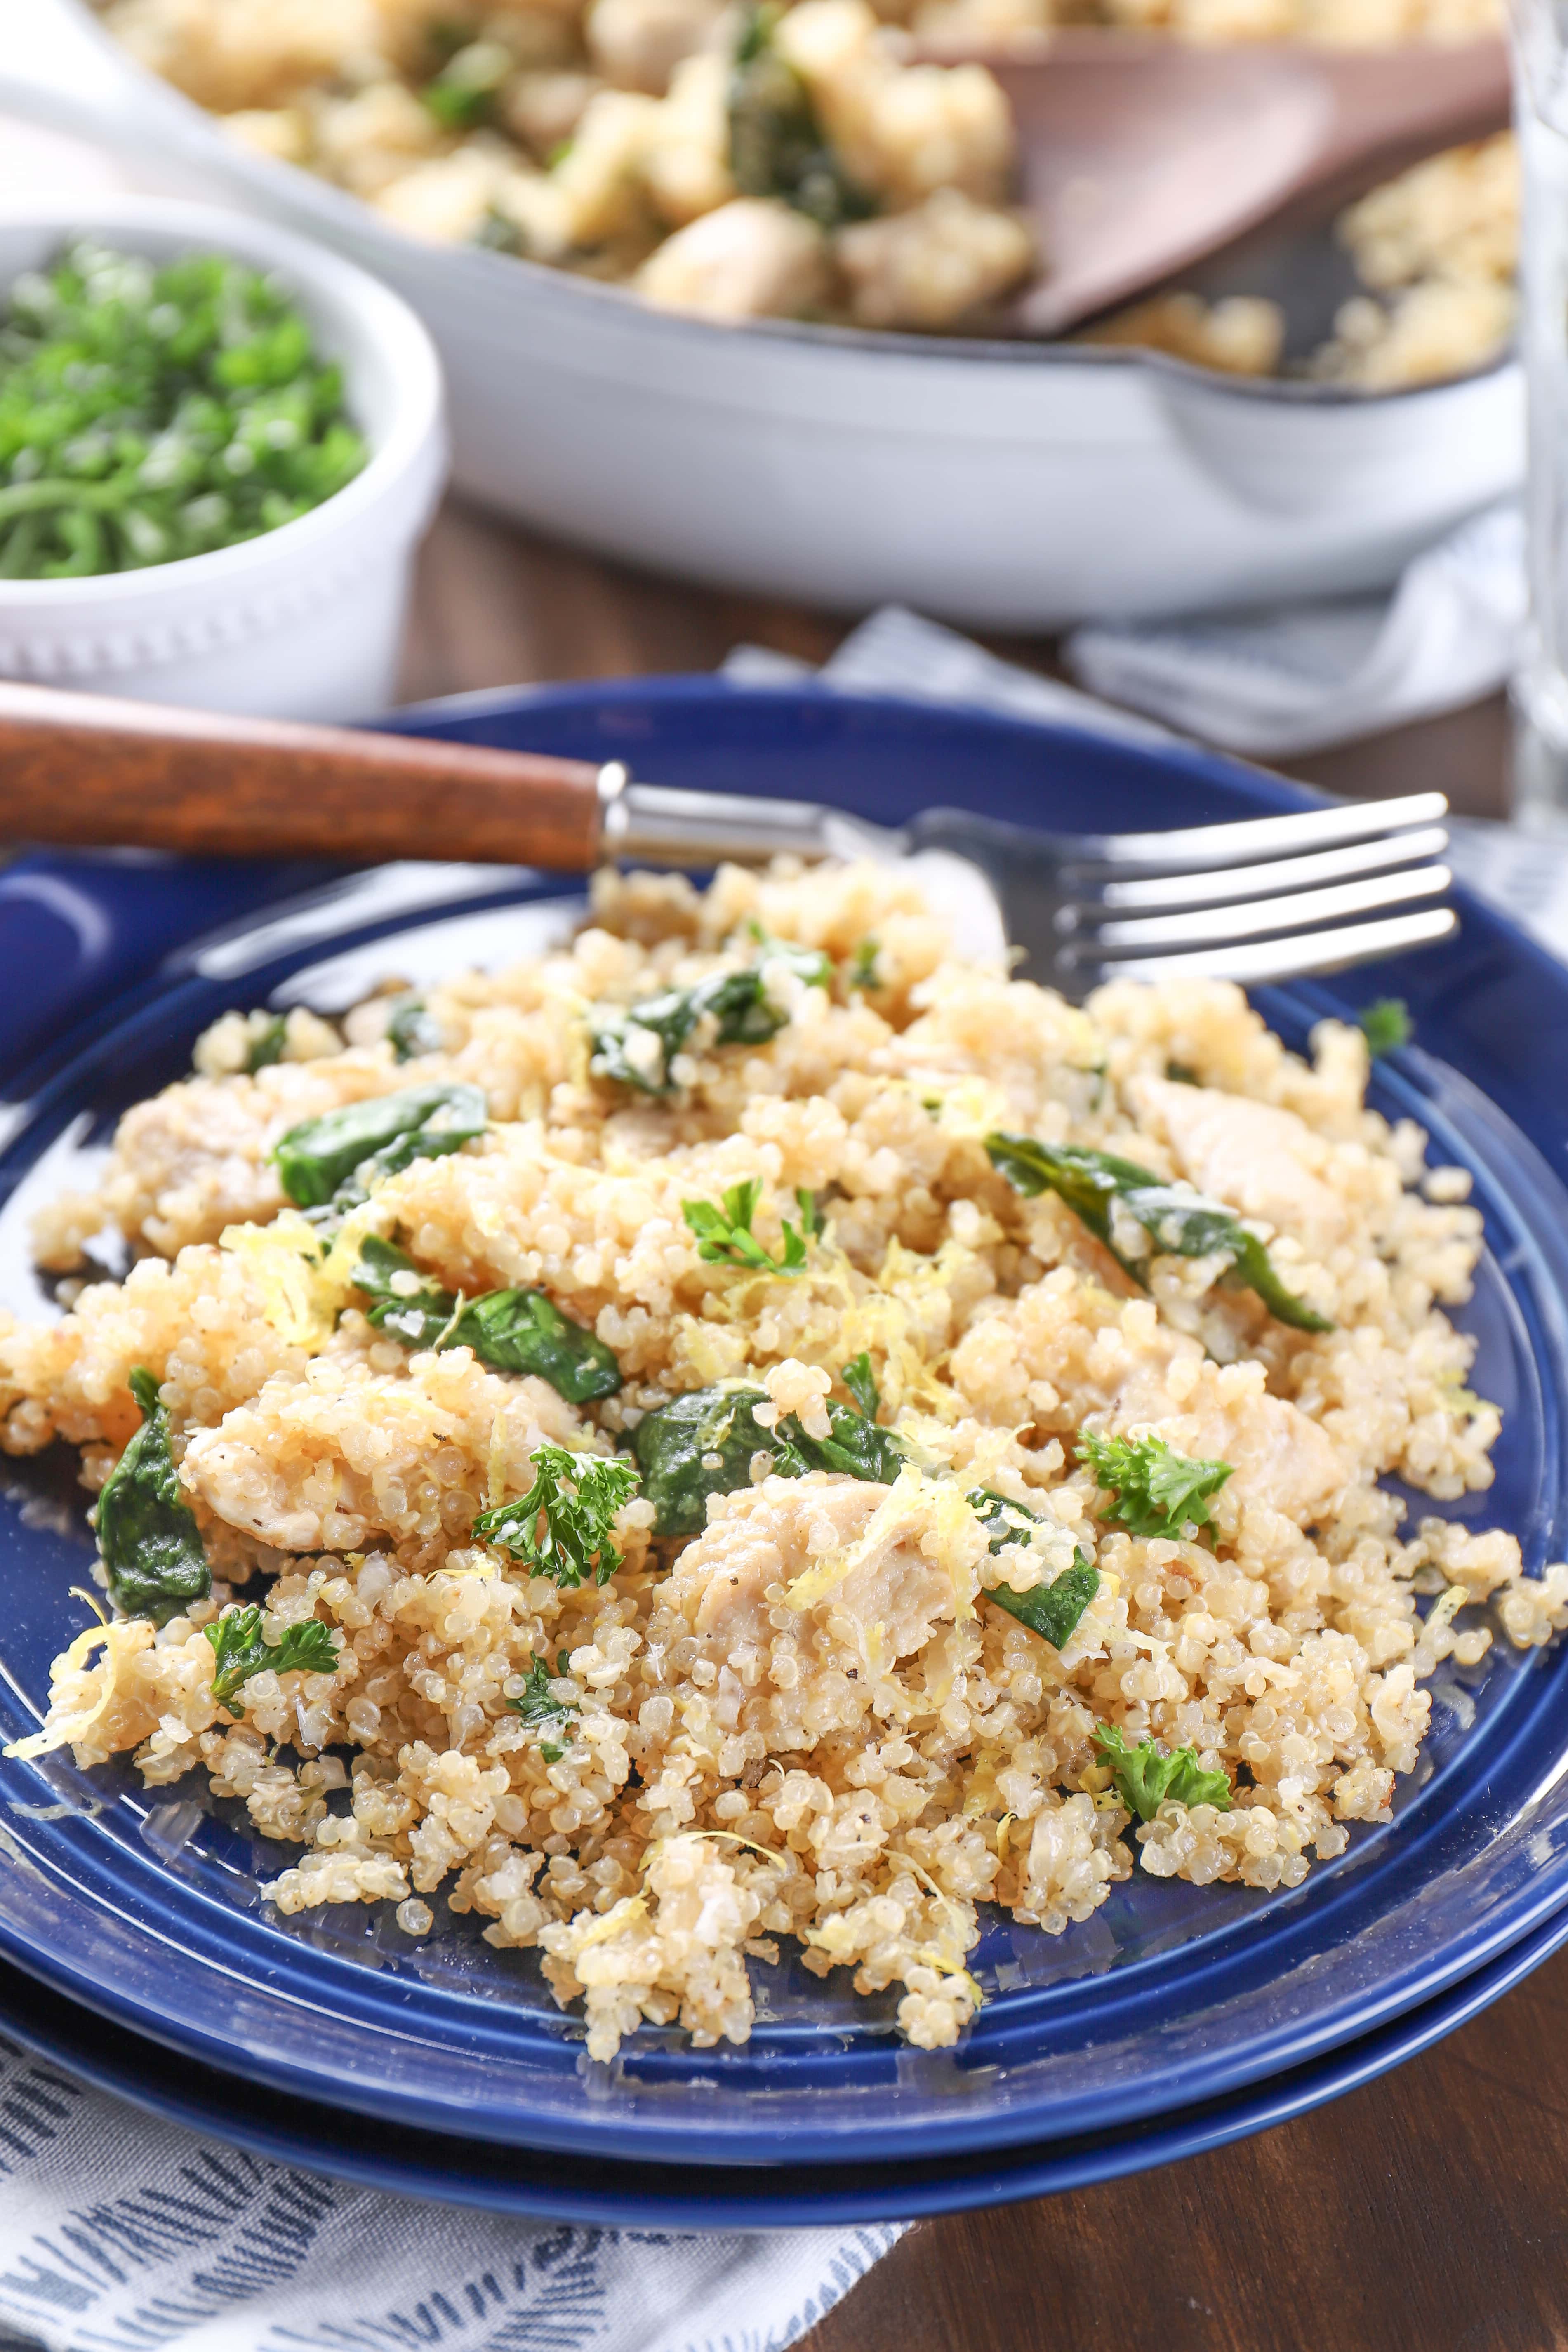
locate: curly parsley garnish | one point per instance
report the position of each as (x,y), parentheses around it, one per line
(561,1527)
(1176,1223)
(147,1532)
(1386,1025)
(240,1650)
(1144,1778)
(724,1235)
(1157,1490)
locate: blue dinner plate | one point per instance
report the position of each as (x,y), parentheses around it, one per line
(1171,1998)
(628,2195)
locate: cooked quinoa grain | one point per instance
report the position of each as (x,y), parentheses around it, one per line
(827,1711)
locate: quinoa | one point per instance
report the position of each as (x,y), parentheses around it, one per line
(808,1719)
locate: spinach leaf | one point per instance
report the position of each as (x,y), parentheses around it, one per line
(411,1031)
(637,1045)
(333,1160)
(777,147)
(1144,1778)
(1158,1491)
(147,1532)
(697,1445)
(861,1380)
(1052,1611)
(520,1330)
(241,1651)
(703,1443)
(1177,1224)
(267,1044)
(561,1527)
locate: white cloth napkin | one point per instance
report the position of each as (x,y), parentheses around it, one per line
(122,2234)
(895,652)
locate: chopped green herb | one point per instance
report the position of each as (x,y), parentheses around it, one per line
(1158,1491)
(1386,1025)
(1177,1224)
(411,1031)
(861,1380)
(152,413)
(637,1045)
(863,966)
(267,1044)
(147,1532)
(519,1330)
(463,93)
(725,1236)
(1052,1611)
(1145,1778)
(704,1442)
(540,1709)
(240,1650)
(561,1527)
(333,1162)
(1182,1074)
(777,146)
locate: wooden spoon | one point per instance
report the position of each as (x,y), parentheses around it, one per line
(1138,156)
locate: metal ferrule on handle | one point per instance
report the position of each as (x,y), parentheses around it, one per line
(666,826)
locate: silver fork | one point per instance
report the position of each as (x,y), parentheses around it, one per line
(1263,898)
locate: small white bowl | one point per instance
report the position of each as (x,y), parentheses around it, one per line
(305,622)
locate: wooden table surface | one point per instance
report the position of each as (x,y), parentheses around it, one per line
(1426,2212)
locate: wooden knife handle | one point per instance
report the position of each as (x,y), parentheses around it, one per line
(83,769)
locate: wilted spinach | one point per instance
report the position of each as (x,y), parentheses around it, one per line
(147,1532)
(333,1162)
(1052,1611)
(1178,1224)
(704,1442)
(636,1044)
(777,146)
(519,1330)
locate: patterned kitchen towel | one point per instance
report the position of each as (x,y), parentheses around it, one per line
(118,2233)
(895,652)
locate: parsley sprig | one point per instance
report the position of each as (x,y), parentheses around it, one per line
(1386,1025)
(1144,1778)
(1157,1491)
(561,1527)
(240,1650)
(724,1235)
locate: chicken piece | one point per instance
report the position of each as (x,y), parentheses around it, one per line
(543,109)
(687,168)
(366,141)
(930,266)
(901,131)
(638,44)
(1261,1161)
(598,181)
(774,1534)
(750,260)
(325,1462)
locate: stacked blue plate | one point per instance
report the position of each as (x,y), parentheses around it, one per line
(137,1944)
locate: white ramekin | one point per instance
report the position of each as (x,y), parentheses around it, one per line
(306,622)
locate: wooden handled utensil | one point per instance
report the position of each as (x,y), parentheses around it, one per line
(1139,157)
(1253,900)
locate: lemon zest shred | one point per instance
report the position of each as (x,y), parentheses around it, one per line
(902,1506)
(304,1290)
(122,1638)
(623,1914)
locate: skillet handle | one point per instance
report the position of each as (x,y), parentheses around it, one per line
(82,768)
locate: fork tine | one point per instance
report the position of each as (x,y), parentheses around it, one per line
(1197,847)
(1293,958)
(1172,892)
(1223,926)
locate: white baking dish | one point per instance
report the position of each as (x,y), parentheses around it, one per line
(1011,486)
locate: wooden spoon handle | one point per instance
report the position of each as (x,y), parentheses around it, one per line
(83,769)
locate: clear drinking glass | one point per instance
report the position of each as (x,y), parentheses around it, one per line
(1541,687)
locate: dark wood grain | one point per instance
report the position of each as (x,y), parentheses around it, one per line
(1426,2213)
(85,769)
